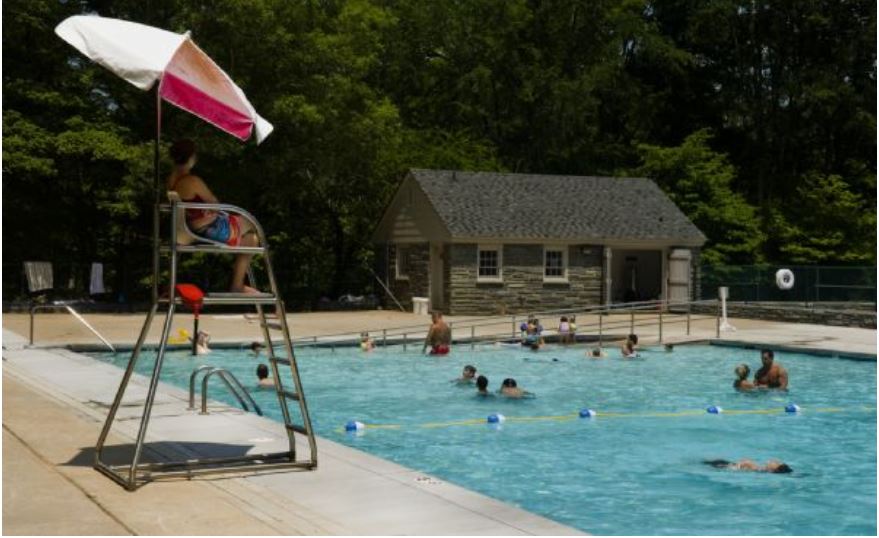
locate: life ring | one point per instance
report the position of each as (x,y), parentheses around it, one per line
(784,279)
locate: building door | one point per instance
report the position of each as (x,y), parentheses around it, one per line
(679,275)
(436,276)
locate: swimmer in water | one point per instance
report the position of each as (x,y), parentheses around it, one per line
(772,466)
(366,343)
(256,348)
(630,347)
(742,383)
(510,389)
(596,353)
(468,375)
(482,387)
(262,373)
(201,343)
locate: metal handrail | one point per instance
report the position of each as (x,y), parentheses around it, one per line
(74,313)
(231,382)
(496,319)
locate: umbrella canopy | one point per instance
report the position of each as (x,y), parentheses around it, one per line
(187,77)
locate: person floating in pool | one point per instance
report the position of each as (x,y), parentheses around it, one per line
(262,373)
(468,375)
(630,347)
(772,466)
(439,336)
(482,387)
(669,348)
(510,389)
(366,343)
(596,353)
(256,348)
(741,382)
(772,375)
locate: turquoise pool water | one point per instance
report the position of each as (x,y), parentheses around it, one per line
(636,468)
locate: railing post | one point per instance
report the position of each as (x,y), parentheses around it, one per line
(384,338)
(513,322)
(33,310)
(660,323)
(689,307)
(631,321)
(600,327)
(472,337)
(404,341)
(451,337)
(717,320)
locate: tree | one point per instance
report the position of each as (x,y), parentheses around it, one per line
(699,181)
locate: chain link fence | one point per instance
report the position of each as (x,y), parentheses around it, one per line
(848,286)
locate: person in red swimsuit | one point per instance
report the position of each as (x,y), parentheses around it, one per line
(214,225)
(439,337)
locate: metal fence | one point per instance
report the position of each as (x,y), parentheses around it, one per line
(812,283)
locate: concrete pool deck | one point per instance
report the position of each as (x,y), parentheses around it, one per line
(54,402)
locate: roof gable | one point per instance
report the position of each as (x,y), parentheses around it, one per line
(532,206)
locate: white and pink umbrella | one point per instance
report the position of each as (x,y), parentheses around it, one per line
(187,77)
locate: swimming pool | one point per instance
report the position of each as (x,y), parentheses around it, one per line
(635,468)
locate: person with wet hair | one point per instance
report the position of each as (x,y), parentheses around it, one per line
(772,375)
(468,375)
(510,389)
(741,382)
(482,387)
(772,466)
(262,373)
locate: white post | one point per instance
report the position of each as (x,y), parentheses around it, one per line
(724,322)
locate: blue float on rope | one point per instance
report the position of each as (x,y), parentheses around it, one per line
(714,410)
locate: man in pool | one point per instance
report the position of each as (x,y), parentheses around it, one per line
(439,336)
(468,375)
(510,389)
(772,466)
(482,387)
(772,375)
(262,373)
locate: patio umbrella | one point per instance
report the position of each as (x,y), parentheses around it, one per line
(187,77)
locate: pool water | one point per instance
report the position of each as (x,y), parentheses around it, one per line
(634,469)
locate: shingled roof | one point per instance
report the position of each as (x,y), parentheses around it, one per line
(533,206)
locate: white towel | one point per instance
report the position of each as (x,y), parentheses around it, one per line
(96,284)
(39,276)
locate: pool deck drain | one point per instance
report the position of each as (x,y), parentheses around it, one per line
(54,401)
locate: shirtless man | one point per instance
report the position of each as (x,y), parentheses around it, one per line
(772,466)
(771,375)
(439,337)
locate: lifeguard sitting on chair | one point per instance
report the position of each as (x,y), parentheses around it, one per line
(217,226)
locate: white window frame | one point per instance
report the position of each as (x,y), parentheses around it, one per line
(398,270)
(556,248)
(500,263)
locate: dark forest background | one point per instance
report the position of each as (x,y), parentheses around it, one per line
(757,118)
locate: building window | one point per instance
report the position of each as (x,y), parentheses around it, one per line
(555,264)
(403,262)
(489,263)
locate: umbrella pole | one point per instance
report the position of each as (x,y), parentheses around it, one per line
(157,196)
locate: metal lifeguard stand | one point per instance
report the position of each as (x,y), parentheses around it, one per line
(181,73)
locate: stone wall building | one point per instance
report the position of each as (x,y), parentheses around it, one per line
(489,243)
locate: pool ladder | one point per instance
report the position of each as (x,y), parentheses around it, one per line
(235,387)
(180,240)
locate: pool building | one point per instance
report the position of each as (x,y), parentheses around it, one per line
(487,242)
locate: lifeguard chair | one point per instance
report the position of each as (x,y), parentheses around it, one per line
(181,73)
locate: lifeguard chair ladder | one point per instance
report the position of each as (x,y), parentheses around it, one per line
(183,241)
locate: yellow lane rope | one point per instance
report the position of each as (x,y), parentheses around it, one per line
(603,415)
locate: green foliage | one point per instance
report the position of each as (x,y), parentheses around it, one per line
(699,181)
(361,90)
